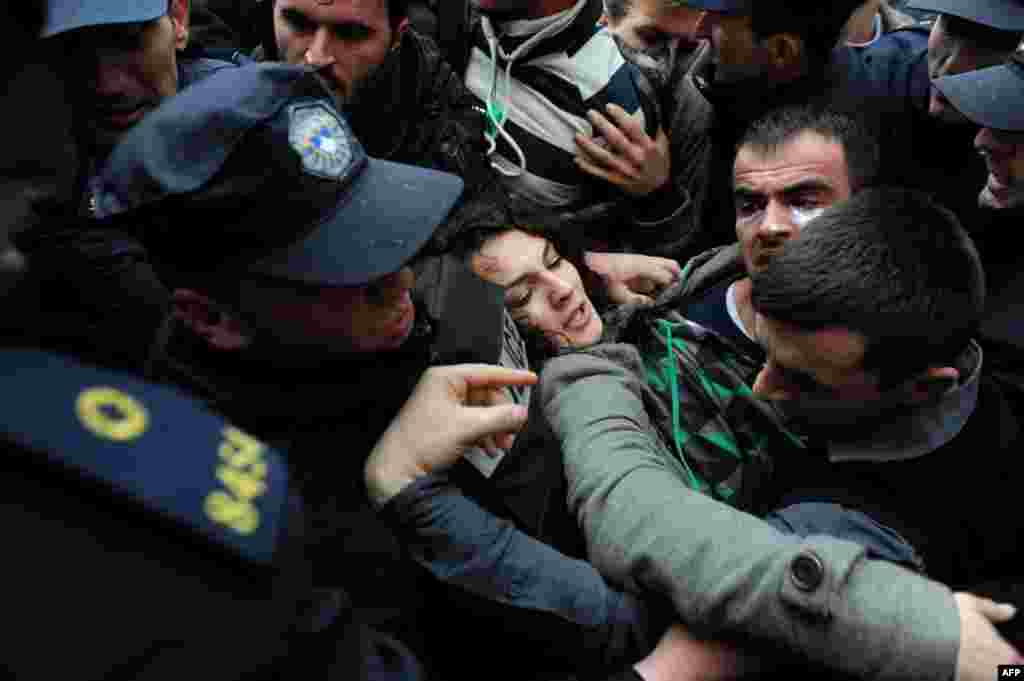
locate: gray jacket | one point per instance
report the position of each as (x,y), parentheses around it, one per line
(726,571)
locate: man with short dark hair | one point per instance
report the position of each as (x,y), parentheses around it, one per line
(867,321)
(790,165)
(838,349)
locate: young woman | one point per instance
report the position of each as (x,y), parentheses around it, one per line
(693,377)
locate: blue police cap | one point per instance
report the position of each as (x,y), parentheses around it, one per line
(992,97)
(1005,15)
(68,15)
(253,169)
(724,6)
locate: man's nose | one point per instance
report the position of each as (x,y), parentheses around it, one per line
(319,51)
(777,222)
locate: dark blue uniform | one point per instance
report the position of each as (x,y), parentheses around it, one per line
(147,538)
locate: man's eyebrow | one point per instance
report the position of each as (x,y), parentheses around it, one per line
(297,16)
(745,192)
(809,185)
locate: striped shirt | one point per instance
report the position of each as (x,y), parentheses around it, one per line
(545,74)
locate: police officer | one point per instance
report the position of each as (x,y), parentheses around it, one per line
(993,100)
(147,538)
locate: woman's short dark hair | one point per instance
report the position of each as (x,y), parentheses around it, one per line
(890,264)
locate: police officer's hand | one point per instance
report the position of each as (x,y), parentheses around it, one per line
(633,278)
(452,409)
(981,646)
(628,157)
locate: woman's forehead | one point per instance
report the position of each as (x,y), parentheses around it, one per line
(508,255)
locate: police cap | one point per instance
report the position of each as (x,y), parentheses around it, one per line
(259,173)
(992,97)
(1005,15)
(68,15)
(723,6)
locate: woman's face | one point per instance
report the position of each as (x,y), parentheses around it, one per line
(542,290)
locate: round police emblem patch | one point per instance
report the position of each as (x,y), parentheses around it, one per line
(325,147)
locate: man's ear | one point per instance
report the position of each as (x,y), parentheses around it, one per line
(400,30)
(785,54)
(179,12)
(933,383)
(208,320)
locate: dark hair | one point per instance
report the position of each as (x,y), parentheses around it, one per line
(397,10)
(980,34)
(889,264)
(819,23)
(780,126)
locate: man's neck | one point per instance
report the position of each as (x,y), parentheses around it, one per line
(744,307)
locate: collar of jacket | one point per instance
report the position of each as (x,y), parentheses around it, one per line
(915,432)
(393,95)
(569,40)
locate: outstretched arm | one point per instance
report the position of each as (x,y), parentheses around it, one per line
(723,570)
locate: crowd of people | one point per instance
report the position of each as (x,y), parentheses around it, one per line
(626,340)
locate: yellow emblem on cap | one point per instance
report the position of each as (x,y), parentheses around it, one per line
(111,414)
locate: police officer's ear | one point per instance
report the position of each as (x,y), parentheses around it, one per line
(932,384)
(178,11)
(207,319)
(400,30)
(786,54)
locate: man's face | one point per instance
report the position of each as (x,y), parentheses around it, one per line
(824,364)
(652,31)
(372,318)
(776,193)
(950,54)
(129,69)
(818,381)
(349,37)
(1004,155)
(737,54)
